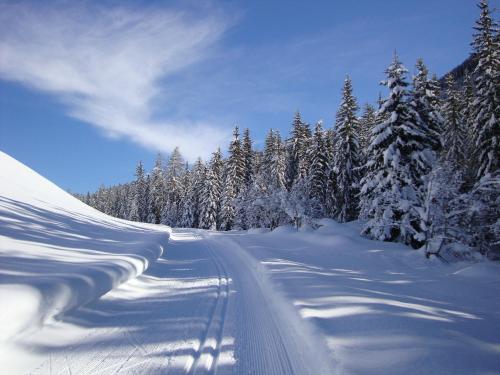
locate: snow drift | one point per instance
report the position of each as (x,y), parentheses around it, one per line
(56,253)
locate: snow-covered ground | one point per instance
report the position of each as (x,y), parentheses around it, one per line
(383,308)
(281,302)
(56,254)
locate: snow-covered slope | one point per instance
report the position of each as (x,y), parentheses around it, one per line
(382,307)
(56,253)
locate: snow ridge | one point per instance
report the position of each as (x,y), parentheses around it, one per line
(57,253)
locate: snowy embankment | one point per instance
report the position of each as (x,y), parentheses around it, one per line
(57,253)
(382,307)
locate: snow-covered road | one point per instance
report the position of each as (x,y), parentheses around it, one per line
(205,307)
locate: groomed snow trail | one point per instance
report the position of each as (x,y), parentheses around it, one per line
(205,307)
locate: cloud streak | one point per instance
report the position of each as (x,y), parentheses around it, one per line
(110,64)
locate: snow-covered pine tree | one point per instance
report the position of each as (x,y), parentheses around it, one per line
(248,157)
(217,166)
(434,96)
(279,161)
(251,210)
(454,133)
(484,197)
(234,181)
(242,200)
(330,137)
(172,212)
(391,192)
(297,148)
(317,182)
(367,122)
(157,192)
(192,196)
(426,102)
(139,209)
(210,199)
(443,211)
(482,220)
(487,84)
(467,97)
(347,157)
(273,172)
(125,202)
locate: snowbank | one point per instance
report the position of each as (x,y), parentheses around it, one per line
(56,253)
(382,307)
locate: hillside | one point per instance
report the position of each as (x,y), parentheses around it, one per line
(57,253)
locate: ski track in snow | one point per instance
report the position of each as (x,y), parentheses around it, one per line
(173,320)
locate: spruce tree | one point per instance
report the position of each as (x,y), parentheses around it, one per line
(330,138)
(297,148)
(172,212)
(248,157)
(487,85)
(192,196)
(242,200)
(318,171)
(454,133)
(273,172)
(250,206)
(157,191)
(279,162)
(139,208)
(347,157)
(210,198)
(484,196)
(234,181)
(367,122)
(391,192)
(426,103)
(467,97)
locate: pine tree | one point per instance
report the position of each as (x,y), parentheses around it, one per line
(367,122)
(487,84)
(210,199)
(139,208)
(157,191)
(277,198)
(242,200)
(331,187)
(454,133)
(297,147)
(318,171)
(391,193)
(269,188)
(248,157)
(278,162)
(234,179)
(482,220)
(434,97)
(172,212)
(467,98)
(426,103)
(347,157)
(443,209)
(193,192)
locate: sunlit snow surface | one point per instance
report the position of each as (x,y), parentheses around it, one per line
(57,254)
(200,302)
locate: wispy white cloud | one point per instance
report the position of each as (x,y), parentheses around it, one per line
(106,64)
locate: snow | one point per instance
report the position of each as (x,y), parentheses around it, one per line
(382,307)
(57,253)
(85,293)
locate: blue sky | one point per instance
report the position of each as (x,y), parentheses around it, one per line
(87,89)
